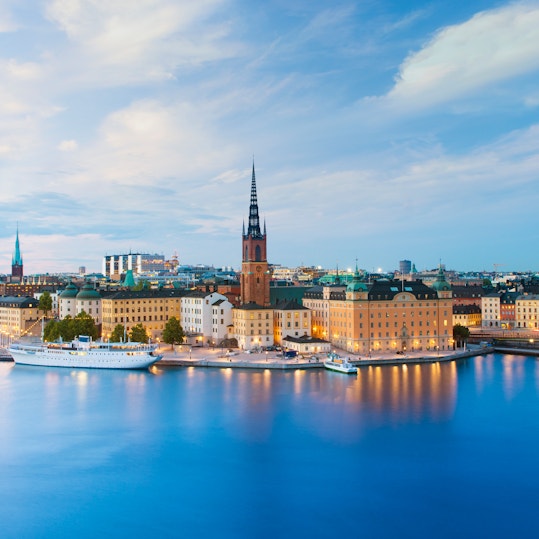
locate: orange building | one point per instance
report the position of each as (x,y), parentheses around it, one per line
(383,316)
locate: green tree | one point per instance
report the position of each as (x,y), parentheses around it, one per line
(460,334)
(138,334)
(51,332)
(173,332)
(84,324)
(66,328)
(45,303)
(117,334)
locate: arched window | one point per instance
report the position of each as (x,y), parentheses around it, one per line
(258,254)
(246,257)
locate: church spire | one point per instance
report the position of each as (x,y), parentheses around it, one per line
(254,220)
(16,261)
(17,258)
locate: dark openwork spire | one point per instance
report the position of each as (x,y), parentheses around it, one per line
(254,219)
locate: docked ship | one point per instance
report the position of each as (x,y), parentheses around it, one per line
(85,353)
(334,362)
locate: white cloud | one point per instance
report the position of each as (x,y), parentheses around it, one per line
(126,42)
(68,145)
(491,47)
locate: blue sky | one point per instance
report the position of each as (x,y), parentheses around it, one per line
(381,130)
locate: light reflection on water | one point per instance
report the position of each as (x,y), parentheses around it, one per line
(225,450)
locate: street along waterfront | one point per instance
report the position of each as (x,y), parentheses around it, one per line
(434,450)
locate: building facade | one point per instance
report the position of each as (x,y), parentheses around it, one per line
(490,310)
(205,316)
(291,320)
(527,311)
(151,308)
(19,317)
(114,266)
(253,326)
(383,316)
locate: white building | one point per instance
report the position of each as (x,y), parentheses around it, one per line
(490,311)
(197,315)
(116,265)
(221,319)
(72,302)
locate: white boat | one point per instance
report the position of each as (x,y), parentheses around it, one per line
(85,353)
(334,362)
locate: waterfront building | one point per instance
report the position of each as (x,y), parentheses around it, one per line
(306,345)
(16,262)
(205,316)
(19,316)
(467,315)
(72,301)
(490,310)
(507,309)
(67,301)
(151,308)
(253,326)
(114,266)
(386,315)
(221,312)
(527,311)
(291,320)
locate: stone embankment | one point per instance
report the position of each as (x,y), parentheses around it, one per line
(203,357)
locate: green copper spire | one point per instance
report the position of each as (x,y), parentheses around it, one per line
(17,258)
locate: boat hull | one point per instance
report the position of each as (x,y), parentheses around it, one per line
(346,369)
(84,359)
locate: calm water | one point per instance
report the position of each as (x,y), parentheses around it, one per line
(444,450)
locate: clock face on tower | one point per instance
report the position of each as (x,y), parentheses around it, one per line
(259,268)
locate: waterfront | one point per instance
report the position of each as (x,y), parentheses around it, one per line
(435,450)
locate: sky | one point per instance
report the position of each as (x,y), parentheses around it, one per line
(380,130)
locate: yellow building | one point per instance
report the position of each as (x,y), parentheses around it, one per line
(19,316)
(253,326)
(291,320)
(151,308)
(467,315)
(527,311)
(383,316)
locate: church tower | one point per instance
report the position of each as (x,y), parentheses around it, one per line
(16,261)
(255,276)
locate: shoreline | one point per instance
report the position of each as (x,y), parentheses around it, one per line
(206,358)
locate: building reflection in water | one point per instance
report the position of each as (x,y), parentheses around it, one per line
(251,401)
(513,375)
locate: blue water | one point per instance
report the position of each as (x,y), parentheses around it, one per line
(442,450)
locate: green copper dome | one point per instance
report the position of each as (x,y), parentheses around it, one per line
(88,292)
(441,285)
(356,285)
(70,291)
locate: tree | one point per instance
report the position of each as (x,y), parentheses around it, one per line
(118,334)
(66,328)
(45,303)
(51,332)
(460,334)
(173,332)
(84,324)
(70,328)
(138,334)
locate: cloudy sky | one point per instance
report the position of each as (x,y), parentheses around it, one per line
(380,129)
